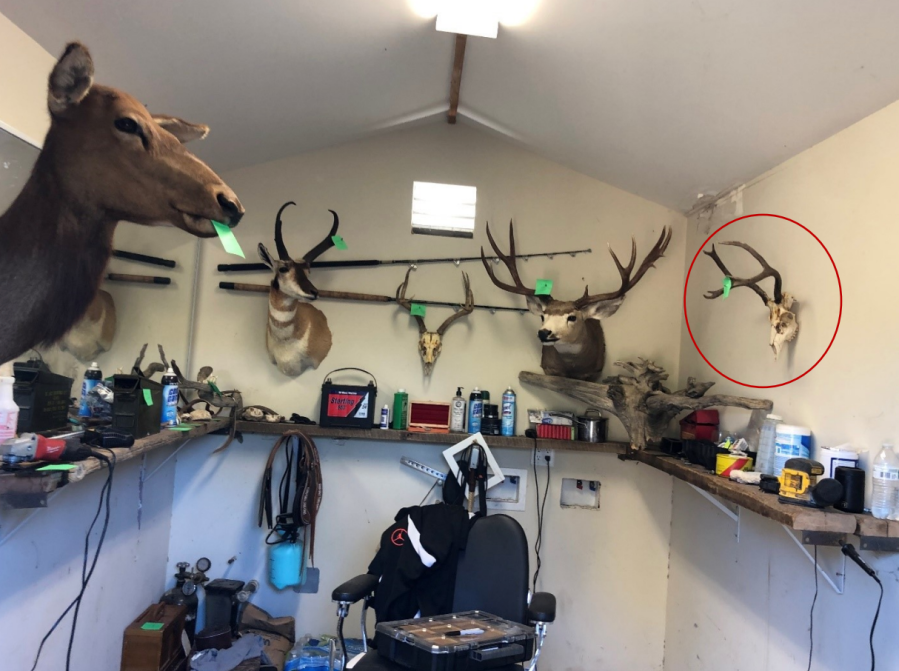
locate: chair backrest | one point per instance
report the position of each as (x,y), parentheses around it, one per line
(493,571)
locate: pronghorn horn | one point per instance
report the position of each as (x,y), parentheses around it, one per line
(279,240)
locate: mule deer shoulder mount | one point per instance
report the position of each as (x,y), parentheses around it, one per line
(784,326)
(430,343)
(297,336)
(571,333)
(104,159)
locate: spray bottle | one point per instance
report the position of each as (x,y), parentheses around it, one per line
(475,410)
(170,398)
(457,412)
(508,412)
(92,377)
(9,411)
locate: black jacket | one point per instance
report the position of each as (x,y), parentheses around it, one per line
(417,562)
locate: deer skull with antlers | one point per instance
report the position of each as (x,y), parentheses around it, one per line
(297,335)
(572,337)
(784,326)
(430,343)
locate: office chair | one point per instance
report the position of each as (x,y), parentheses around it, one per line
(492,577)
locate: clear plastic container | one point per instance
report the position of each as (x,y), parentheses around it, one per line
(790,442)
(885,484)
(764,462)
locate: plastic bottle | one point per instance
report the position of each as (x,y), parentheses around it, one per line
(400,410)
(885,484)
(92,377)
(790,442)
(475,410)
(170,398)
(764,462)
(284,564)
(385,417)
(457,412)
(9,411)
(508,412)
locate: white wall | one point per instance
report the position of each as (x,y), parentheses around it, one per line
(745,605)
(608,568)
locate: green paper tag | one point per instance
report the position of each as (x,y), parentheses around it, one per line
(339,242)
(418,310)
(229,242)
(57,467)
(148,397)
(179,428)
(188,425)
(727,283)
(152,626)
(544,287)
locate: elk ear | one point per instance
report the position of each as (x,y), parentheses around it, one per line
(537,304)
(266,257)
(183,130)
(71,78)
(602,309)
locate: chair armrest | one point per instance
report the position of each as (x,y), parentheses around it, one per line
(358,588)
(542,607)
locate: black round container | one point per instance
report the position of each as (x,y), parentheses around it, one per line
(853,481)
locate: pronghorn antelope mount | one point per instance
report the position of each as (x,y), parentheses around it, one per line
(430,343)
(573,342)
(297,336)
(784,326)
(105,159)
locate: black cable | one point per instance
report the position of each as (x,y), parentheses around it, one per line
(105,498)
(811,616)
(541,507)
(874,623)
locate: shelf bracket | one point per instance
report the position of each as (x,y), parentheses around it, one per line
(841,574)
(735,516)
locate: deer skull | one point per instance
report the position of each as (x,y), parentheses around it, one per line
(784,325)
(430,343)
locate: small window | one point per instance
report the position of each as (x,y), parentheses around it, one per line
(443,209)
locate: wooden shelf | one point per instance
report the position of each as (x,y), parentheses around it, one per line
(390,435)
(29,492)
(813,523)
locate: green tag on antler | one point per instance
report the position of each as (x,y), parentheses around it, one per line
(544,287)
(418,310)
(727,283)
(339,242)
(229,242)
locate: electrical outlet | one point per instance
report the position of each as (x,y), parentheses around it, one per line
(542,454)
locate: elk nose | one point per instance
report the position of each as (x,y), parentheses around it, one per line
(231,207)
(544,334)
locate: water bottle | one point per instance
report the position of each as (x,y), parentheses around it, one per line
(170,398)
(885,489)
(475,410)
(92,377)
(765,460)
(508,413)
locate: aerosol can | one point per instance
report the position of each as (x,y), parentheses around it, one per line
(92,377)
(475,410)
(508,413)
(170,398)
(457,412)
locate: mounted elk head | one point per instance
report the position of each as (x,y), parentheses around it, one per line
(572,337)
(784,326)
(297,335)
(430,343)
(105,159)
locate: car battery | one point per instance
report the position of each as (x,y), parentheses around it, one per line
(468,641)
(348,406)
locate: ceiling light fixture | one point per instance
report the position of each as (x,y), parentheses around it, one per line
(480,18)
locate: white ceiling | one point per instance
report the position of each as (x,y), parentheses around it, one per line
(663,98)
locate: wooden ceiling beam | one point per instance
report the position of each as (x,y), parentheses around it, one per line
(456,81)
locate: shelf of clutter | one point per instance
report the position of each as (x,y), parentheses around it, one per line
(429,438)
(29,488)
(816,526)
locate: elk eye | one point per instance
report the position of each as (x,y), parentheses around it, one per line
(127,125)
(572,318)
(282,269)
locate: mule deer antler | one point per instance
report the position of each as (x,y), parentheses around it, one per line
(751,282)
(430,343)
(784,325)
(510,262)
